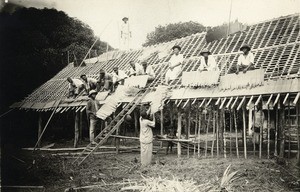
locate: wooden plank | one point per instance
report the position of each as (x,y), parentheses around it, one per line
(250,100)
(218,101)
(187,101)
(208,102)
(269,100)
(194,101)
(178,104)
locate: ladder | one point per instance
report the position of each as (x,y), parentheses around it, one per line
(102,137)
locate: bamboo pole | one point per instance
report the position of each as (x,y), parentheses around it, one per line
(179,132)
(276,131)
(253,134)
(261,133)
(217,132)
(213,141)
(282,134)
(80,126)
(206,139)
(188,127)
(199,132)
(244,132)
(161,125)
(223,132)
(196,122)
(40,128)
(136,122)
(268,127)
(236,135)
(230,131)
(298,131)
(289,127)
(76,137)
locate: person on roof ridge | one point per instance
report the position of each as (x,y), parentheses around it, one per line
(175,64)
(89,82)
(118,77)
(147,70)
(92,107)
(245,60)
(207,61)
(105,81)
(76,86)
(135,69)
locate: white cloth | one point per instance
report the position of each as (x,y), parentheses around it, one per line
(245,59)
(136,71)
(211,64)
(149,71)
(90,81)
(117,77)
(77,83)
(173,74)
(146,135)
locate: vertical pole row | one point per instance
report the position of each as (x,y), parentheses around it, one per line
(268,127)
(230,131)
(213,135)
(217,131)
(253,133)
(276,131)
(223,120)
(179,133)
(244,132)
(199,132)
(236,134)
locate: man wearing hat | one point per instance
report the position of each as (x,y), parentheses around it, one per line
(118,76)
(89,83)
(125,34)
(147,70)
(105,81)
(174,64)
(75,87)
(207,61)
(245,60)
(92,107)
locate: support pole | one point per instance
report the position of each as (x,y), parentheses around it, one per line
(161,125)
(230,131)
(289,128)
(217,132)
(40,128)
(214,134)
(179,133)
(268,127)
(80,126)
(136,122)
(206,139)
(261,133)
(282,132)
(298,131)
(199,131)
(223,131)
(76,137)
(188,128)
(276,131)
(196,122)
(244,132)
(236,135)
(253,126)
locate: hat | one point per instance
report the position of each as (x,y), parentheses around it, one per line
(245,46)
(92,92)
(102,71)
(205,50)
(125,18)
(82,75)
(176,46)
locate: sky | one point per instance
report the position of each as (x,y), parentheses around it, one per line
(105,16)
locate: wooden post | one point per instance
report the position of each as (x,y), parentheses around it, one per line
(236,135)
(244,132)
(136,123)
(223,131)
(268,127)
(230,131)
(217,131)
(253,135)
(214,136)
(282,132)
(276,131)
(80,127)
(206,139)
(196,122)
(76,138)
(261,132)
(298,131)
(188,128)
(179,133)
(117,140)
(40,128)
(161,125)
(199,131)
(289,127)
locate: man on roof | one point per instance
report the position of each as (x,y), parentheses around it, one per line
(118,76)
(207,61)
(89,83)
(92,107)
(147,70)
(175,64)
(135,69)
(105,81)
(245,60)
(76,86)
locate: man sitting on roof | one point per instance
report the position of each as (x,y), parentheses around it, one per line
(147,70)
(118,76)
(105,81)
(207,62)
(89,83)
(92,107)
(135,69)
(246,60)
(75,87)
(174,64)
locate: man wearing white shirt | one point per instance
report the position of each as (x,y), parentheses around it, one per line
(135,69)
(175,64)
(245,60)
(89,83)
(207,61)
(147,70)
(118,76)
(75,87)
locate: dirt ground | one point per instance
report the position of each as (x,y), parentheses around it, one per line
(111,172)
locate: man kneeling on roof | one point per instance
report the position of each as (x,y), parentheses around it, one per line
(75,87)
(147,70)
(207,62)
(174,64)
(245,60)
(118,77)
(135,69)
(105,82)
(89,83)
(92,107)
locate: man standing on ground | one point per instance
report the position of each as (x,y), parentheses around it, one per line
(245,60)
(91,109)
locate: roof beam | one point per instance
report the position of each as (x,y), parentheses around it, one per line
(218,101)
(222,104)
(296,98)
(234,103)
(179,103)
(194,101)
(241,103)
(277,98)
(250,100)
(83,108)
(258,100)
(202,103)
(269,100)
(208,102)
(187,101)
(286,97)
(229,102)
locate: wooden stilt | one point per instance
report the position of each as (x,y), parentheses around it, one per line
(230,131)
(223,131)
(40,128)
(298,131)
(196,122)
(161,125)
(253,134)
(188,128)
(236,134)
(282,132)
(136,123)
(261,133)
(268,127)
(76,138)
(199,132)
(117,140)
(179,132)
(80,126)
(244,132)
(276,131)
(214,136)
(206,139)
(289,128)
(217,131)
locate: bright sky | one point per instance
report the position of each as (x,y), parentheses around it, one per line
(104,16)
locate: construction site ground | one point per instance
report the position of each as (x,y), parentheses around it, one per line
(112,172)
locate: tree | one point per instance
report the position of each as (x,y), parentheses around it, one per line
(35,44)
(173,31)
